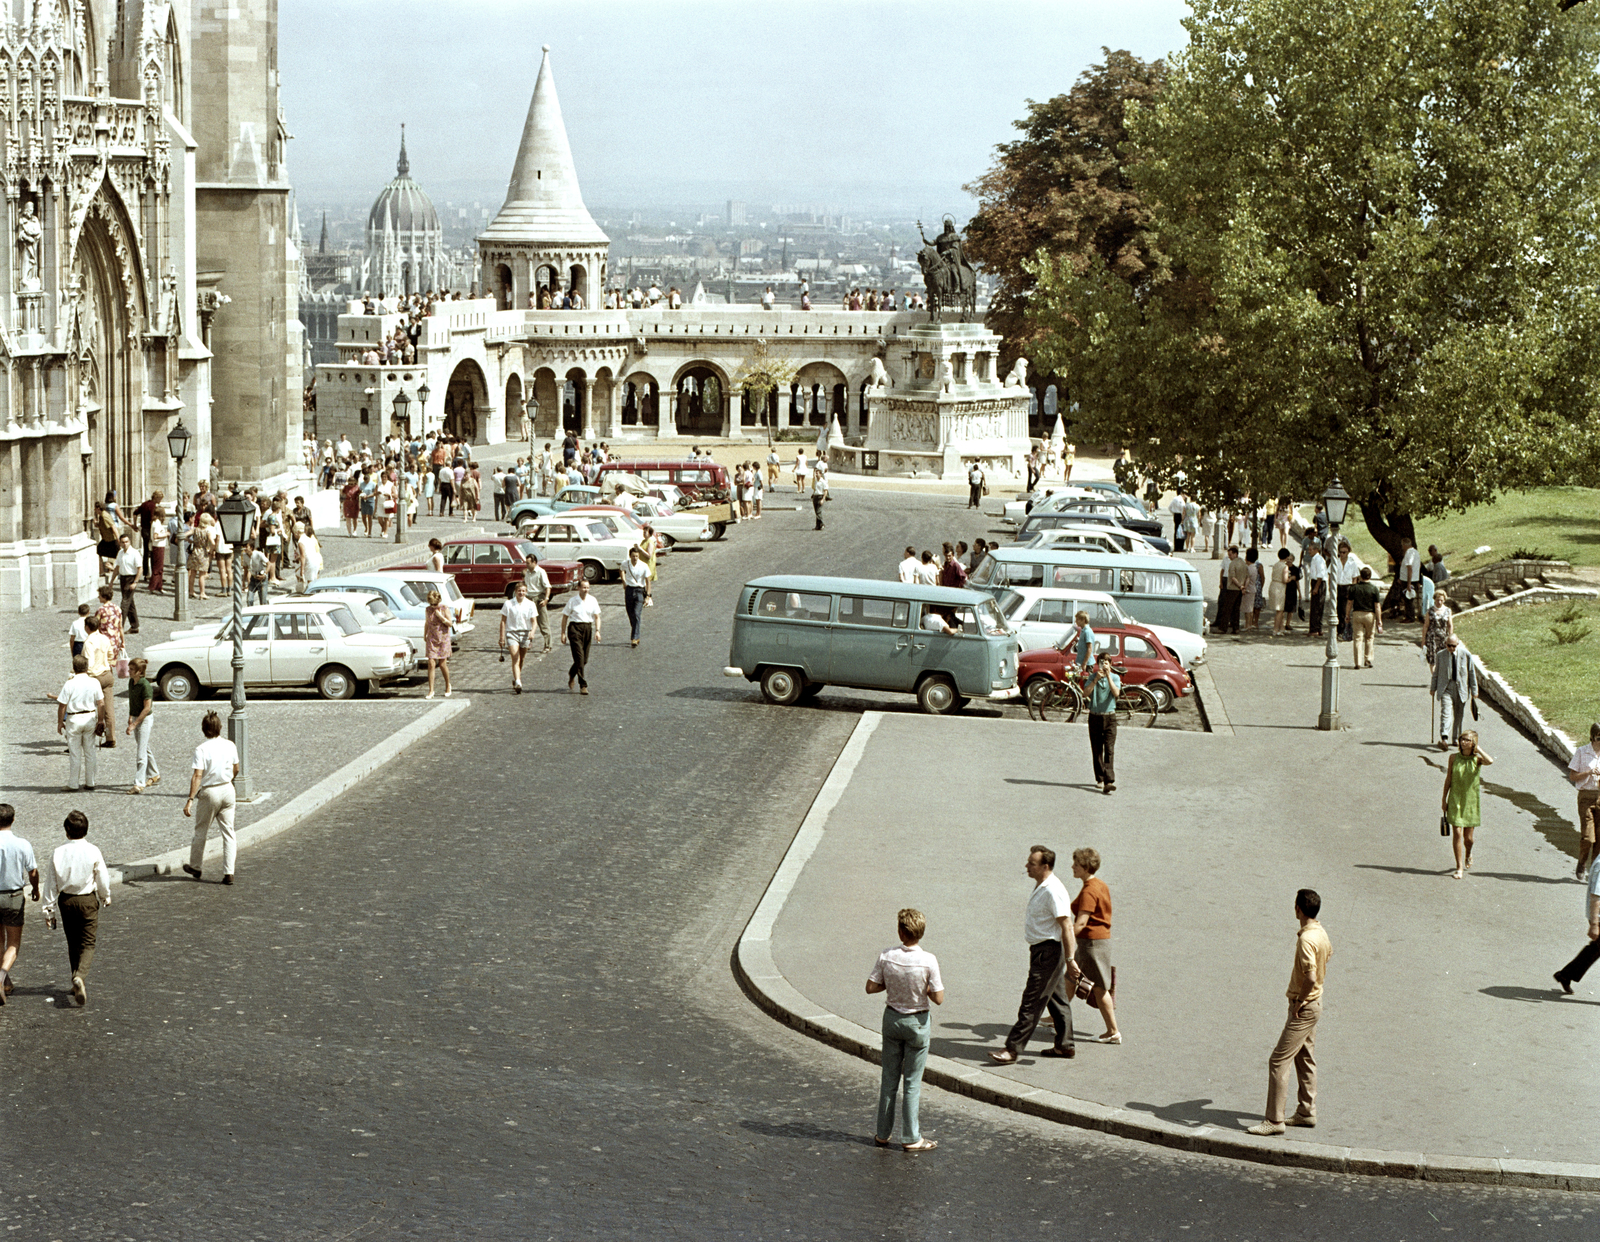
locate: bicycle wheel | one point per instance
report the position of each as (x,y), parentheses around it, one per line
(1070,702)
(1035,692)
(1060,703)
(1137,706)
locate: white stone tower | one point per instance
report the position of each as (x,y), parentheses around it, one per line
(543,240)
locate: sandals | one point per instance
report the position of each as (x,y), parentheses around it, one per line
(919,1146)
(1114,1038)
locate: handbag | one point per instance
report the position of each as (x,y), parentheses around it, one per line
(1444,825)
(122,666)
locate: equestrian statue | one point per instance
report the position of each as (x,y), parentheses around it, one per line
(950,279)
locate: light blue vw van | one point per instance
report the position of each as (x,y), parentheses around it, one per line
(797,634)
(1158,590)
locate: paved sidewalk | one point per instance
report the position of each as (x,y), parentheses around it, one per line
(1443,1037)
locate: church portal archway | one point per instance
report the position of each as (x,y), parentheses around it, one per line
(464,400)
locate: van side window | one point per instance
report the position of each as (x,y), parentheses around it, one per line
(1152,582)
(857,610)
(795,606)
(1082,576)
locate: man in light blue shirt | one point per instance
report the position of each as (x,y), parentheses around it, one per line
(1082,644)
(17,868)
(1103,687)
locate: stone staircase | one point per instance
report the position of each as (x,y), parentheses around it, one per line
(1515,581)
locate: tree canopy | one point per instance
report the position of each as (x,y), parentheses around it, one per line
(1064,187)
(1377,222)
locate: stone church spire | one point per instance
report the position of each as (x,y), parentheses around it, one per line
(402,166)
(543,201)
(322,244)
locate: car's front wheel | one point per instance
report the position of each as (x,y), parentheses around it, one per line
(180,685)
(1162,694)
(782,686)
(937,696)
(336,682)
(594,571)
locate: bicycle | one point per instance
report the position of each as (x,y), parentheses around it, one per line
(1066,700)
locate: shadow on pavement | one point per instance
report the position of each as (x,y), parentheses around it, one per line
(805,1131)
(1022,780)
(1550,823)
(1525,879)
(1429,871)
(1406,745)
(1195,1113)
(1536,995)
(986,1037)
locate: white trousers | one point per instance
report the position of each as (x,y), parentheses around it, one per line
(214,803)
(144,759)
(82,749)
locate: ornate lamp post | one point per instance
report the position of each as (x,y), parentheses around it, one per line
(237,517)
(423,393)
(1337,503)
(178,446)
(402,418)
(530,414)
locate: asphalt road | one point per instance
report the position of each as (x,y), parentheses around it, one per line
(490,996)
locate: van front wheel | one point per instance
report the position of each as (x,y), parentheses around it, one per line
(937,696)
(781,686)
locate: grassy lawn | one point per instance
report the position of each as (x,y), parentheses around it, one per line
(1563,522)
(1563,681)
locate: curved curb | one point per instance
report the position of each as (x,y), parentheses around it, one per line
(758,974)
(298,808)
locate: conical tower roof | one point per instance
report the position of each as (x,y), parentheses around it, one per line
(543,203)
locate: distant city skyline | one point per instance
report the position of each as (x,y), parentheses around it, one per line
(684,104)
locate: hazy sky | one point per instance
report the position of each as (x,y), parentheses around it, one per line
(875,103)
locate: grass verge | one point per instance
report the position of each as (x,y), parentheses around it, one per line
(1563,680)
(1563,522)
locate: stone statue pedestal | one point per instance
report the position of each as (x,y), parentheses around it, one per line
(30,316)
(946,410)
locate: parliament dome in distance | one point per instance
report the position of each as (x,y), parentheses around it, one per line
(402,206)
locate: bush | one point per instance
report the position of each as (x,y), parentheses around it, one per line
(1570,611)
(1566,635)
(1531,554)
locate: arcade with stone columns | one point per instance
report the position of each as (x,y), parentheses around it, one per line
(500,368)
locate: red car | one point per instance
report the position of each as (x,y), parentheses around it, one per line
(1135,648)
(489,566)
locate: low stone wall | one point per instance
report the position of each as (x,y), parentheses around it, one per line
(1520,708)
(1477,586)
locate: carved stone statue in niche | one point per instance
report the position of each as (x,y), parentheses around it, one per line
(30,236)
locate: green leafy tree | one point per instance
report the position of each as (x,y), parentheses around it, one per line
(1064,188)
(1380,225)
(762,375)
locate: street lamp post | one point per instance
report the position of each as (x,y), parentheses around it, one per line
(1336,501)
(402,418)
(178,445)
(236,516)
(530,414)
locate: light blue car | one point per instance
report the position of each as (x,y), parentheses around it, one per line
(404,602)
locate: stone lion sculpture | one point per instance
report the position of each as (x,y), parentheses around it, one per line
(1018,378)
(878,381)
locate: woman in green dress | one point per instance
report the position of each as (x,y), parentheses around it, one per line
(1460,800)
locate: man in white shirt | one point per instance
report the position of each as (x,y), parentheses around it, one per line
(1584,773)
(538,584)
(17,869)
(1051,944)
(1316,576)
(768,299)
(79,706)
(908,567)
(129,568)
(76,881)
(580,627)
(636,589)
(517,617)
(908,975)
(216,763)
(927,572)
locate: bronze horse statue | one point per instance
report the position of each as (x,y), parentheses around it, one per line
(950,280)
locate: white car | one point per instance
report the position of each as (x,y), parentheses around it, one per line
(1104,538)
(375,616)
(672,526)
(579,537)
(623,525)
(1045,500)
(421,581)
(1042,616)
(301,641)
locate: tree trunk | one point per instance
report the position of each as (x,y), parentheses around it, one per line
(1388,528)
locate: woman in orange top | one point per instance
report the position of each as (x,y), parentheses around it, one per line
(1091,924)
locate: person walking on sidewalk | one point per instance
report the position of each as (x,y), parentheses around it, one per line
(817,498)
(1047,926)
(580,628)
(1584,772)
(1363,613)
(436,640)
(1091,924)
(77,885)
(1590,953)
(17,869)
(130,569)
(1278,593)
(975,487)
(517,617)
(1408,578)
(1104,686)
(1455,682)
(79,707)
(1297,1044)
(1439,626)
(538,584)
(1235,573)
(635,590)
(1314,570)
(1459,803)
(141,699)
(216,764)
(908,975)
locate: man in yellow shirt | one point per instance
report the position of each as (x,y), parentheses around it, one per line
(1311,952)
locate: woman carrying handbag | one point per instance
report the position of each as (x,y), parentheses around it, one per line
(1459,802)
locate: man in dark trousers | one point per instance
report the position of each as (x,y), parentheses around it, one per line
(76,882)
(1590,953)
(816,507)
(1051,943)
(1103,687)
(1235,573)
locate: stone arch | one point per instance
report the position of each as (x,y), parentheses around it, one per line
(578,281)
(466,403)
(820,392)
(502,286)
(514,409)
(703,389)
(574,401)
(641,400)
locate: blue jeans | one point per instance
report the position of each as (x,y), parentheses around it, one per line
(255,592)
(905,1052)
(633,601)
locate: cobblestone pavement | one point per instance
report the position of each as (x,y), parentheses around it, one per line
(489,996)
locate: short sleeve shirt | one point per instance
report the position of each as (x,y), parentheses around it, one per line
(581,608)
(1095,901)
(16,860)
(1585,760)
(635,575)
(100,652)
(214,759)
(1048,903)
(908,973)
(82,693)
(519,617)
(1364,597)
(140,692)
